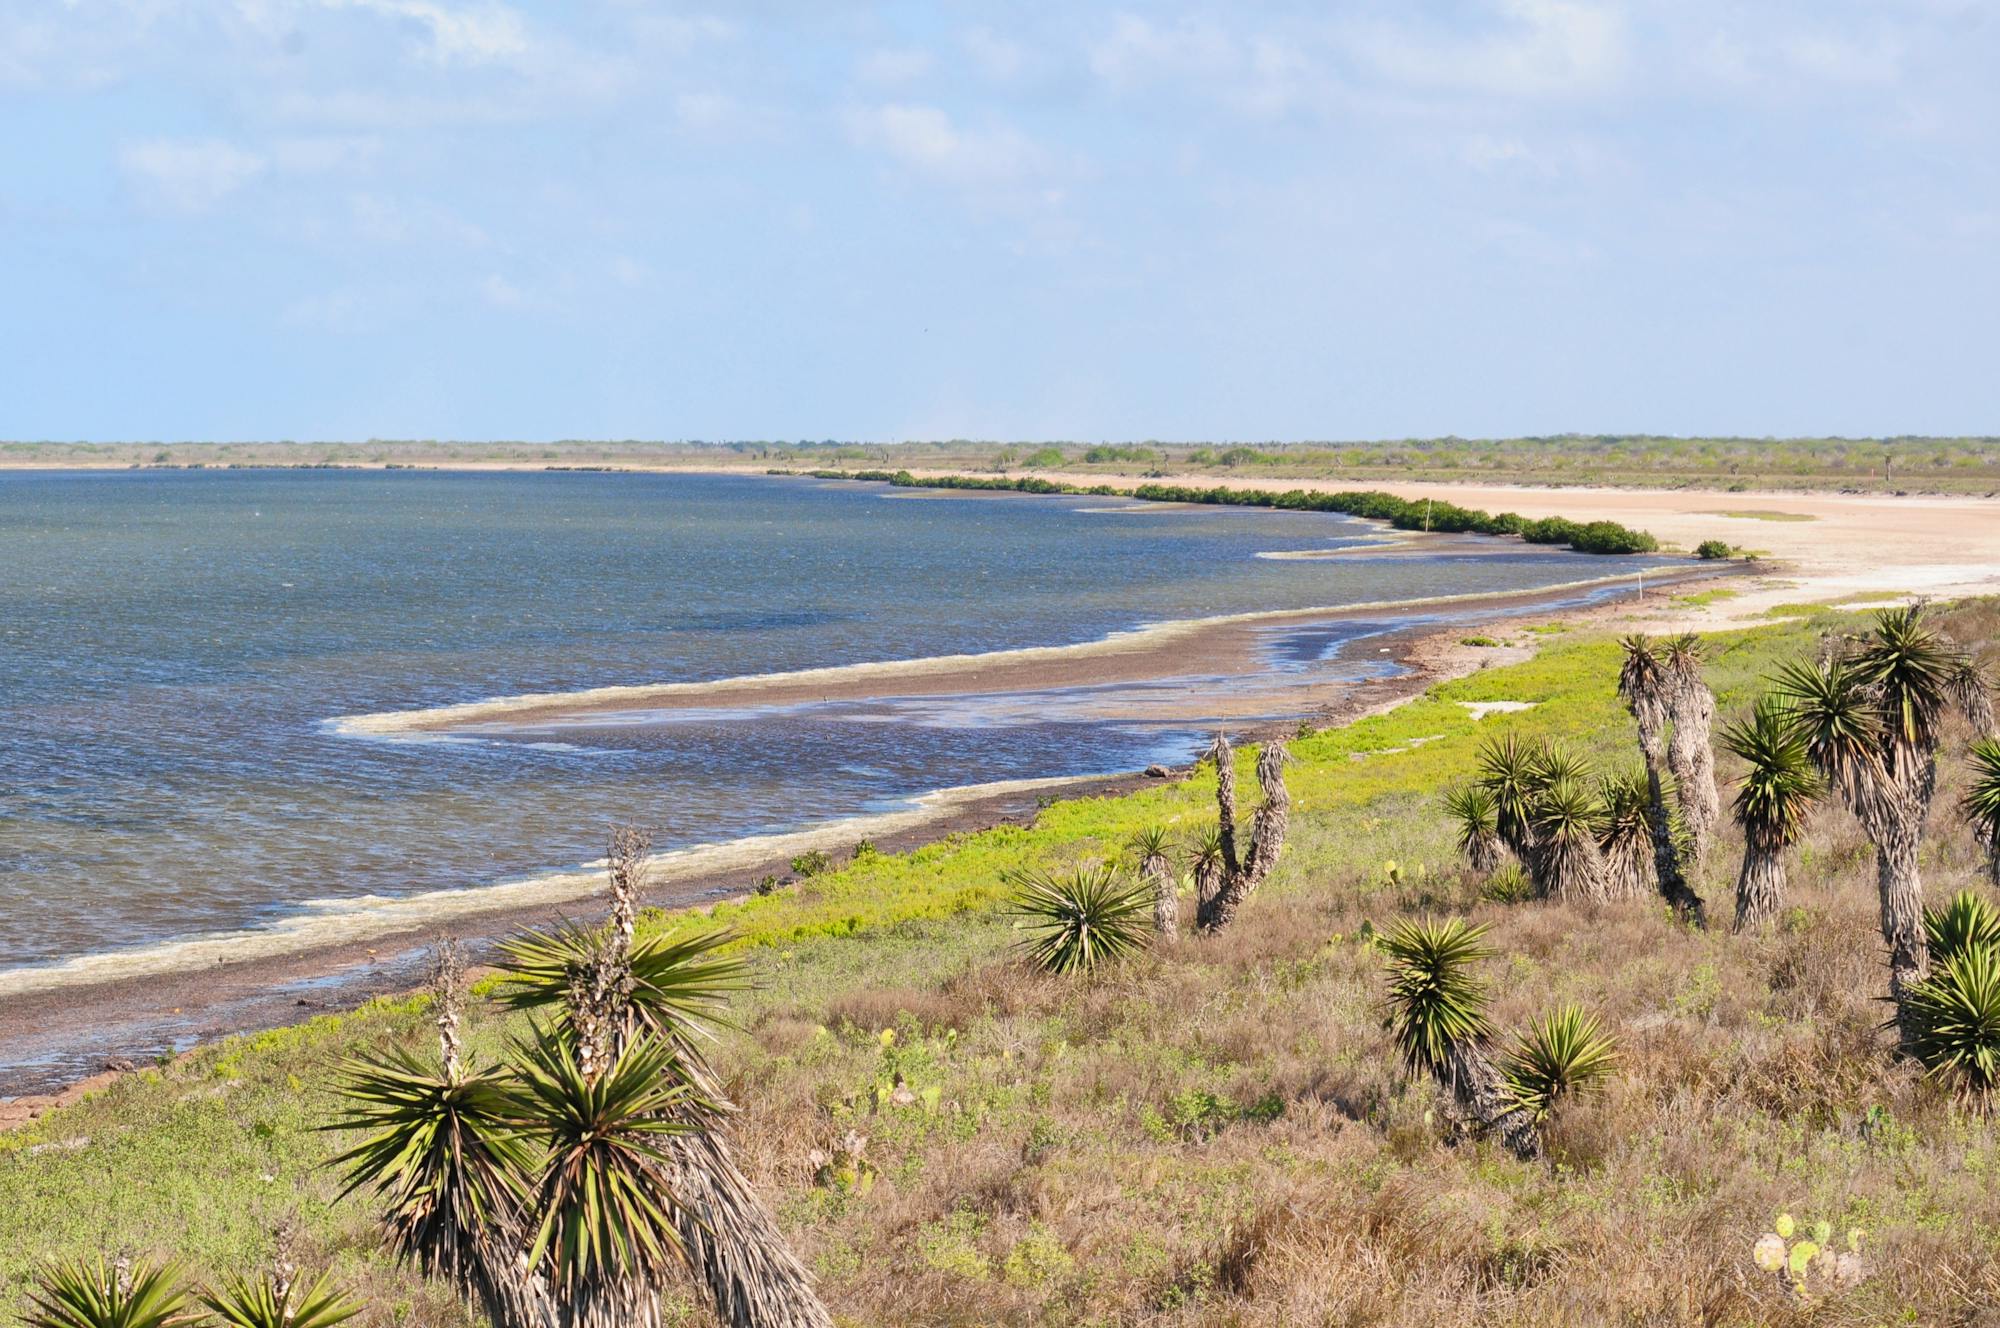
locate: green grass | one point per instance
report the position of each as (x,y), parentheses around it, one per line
(1764,514)
(1705,597)
(1214,1133)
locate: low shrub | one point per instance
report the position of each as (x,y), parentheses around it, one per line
(1712,549)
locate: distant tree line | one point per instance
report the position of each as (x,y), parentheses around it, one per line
(1402,513)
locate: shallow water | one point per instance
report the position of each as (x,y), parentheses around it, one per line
(175,645)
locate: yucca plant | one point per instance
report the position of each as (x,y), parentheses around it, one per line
(1474,814)
(605,1231)
(1436,1008)
(1082,918)
(1981,804)
(680,986)
(609,993)
(1953,1016)
(1644,684)
(92,1293)
(1625,836)
(1773,804)
(1151,847)
(1565,1054)
(1240,873)
(447,1162)
(275,1301)
(1965,921)
(1554,763)
(1508,771)
(1567,865)
(1690,755)
(1872,719)
(1203,854)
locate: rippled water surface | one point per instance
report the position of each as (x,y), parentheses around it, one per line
(172,645)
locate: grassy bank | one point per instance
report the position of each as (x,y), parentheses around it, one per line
(1217,1132)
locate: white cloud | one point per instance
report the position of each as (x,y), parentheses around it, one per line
(325,154)
(335,311)
(1837,59)
(925,139)
(501,293)
(995,56)
(1262,74)
(721,117)
(1543,48)
(456,34)
(1138,51)
(188,175)
(895,66)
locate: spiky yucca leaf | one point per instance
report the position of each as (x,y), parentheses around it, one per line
(1913,669)
(1565,1054)
(1963,922)
(91,1293)
(1508,770)
(1775,800)
(1832,709)
(1954,1020)
(606,1213)
(1083,918)
(1435,1001)
(1623,809)
(1640,677)
(1625,834)
(1153,841)
(1564,817)
(681,985)
(1475,815)
(1204,849)
(1552,763)
(442,1154)
(1981,803)
(263,1303)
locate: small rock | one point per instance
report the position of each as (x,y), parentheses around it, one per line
(120,1065)
(1157,772)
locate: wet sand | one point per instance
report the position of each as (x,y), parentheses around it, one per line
(61,1035)
(1196,653)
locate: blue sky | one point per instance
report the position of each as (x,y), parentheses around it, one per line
(618,218)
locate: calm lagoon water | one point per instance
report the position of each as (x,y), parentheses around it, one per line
(174,645)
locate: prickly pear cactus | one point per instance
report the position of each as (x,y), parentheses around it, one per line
(1806,1261)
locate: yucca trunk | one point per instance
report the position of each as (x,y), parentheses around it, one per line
(1668,878)
(1239,876)
(1692,760)
(1760,887)
(1481,1096)
(1166,894)
(1224,756)
(1483,854)
(733,1245)
(1900,888)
